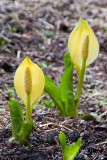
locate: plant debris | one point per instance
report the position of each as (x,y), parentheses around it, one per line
(40,29)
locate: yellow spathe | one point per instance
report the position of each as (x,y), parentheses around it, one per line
(76,40)
(37,78)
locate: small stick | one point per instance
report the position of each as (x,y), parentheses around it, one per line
(103,114)
(101,143)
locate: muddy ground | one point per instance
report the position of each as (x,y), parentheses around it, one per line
(40,29)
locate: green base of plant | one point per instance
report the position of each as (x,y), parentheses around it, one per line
(63,96)
(21,129)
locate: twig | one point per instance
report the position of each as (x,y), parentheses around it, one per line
(5,38)
(98,144)
(46,23)
(103,114)
(51,130)
(101,143)
(44,125)
(56,125)
(65,127)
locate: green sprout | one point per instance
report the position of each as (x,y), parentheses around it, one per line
(49,33)
(10,91)
(2,42)
(70,152)
(105,28)
(14,29)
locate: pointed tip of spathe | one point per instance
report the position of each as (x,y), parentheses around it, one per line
(27,59)
(81,20)
(82,23)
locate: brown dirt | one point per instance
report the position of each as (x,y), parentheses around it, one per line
(23,27)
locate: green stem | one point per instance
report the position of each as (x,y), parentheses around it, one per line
(79,86)
(28,115)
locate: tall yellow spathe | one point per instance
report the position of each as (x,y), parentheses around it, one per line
(76,40)
(29,79)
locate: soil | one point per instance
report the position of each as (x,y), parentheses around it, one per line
(40,29)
